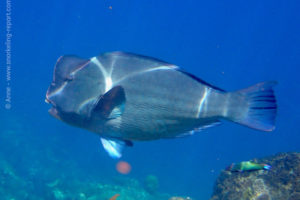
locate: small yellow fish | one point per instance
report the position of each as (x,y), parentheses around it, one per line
(114,197)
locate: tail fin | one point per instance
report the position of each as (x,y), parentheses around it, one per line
(267,167)
(262,107)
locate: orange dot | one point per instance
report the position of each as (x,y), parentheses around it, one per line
(123,167)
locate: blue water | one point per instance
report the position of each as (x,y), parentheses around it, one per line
(230,44)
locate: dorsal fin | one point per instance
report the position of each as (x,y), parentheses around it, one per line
(111,104)
(200,80)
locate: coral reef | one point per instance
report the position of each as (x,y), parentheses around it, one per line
(180,198)
(29,170)
(282,182)
(13,187)
(44,183)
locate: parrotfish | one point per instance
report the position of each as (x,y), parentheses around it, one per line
(248,166)
(125,97)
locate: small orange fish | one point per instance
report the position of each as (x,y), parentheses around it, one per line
(114,197)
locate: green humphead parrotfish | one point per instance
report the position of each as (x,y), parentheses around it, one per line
(125,97)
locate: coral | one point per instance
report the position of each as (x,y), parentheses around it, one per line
(57,194)
(151,184)
(279,183)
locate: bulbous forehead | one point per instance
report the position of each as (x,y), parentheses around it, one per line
(75,82)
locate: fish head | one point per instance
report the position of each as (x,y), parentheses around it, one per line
(76,86)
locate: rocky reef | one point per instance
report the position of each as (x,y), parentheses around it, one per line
(281,182)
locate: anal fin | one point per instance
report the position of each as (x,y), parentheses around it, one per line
(198,129)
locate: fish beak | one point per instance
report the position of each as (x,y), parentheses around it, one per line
(47,101)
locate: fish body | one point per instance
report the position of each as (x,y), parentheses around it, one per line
(127,97)
(248,166)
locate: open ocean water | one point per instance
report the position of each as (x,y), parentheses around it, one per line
(230,44)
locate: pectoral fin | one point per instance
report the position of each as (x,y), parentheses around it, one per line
(111,104)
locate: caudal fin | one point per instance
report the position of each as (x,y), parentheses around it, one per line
(262,107)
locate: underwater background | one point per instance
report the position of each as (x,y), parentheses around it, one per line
(230,44)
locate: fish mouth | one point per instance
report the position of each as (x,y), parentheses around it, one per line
(54,112)
(48,100)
